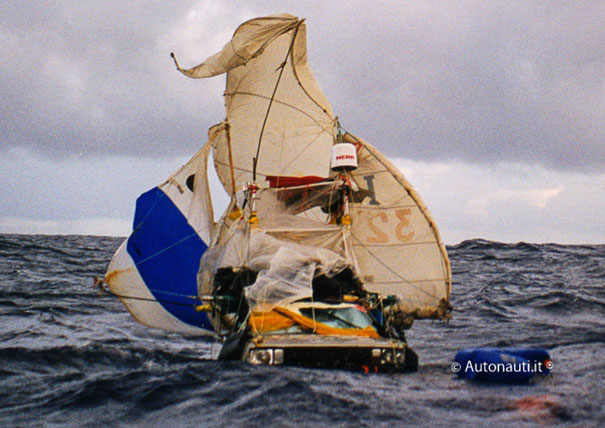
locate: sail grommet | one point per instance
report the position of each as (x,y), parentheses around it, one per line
(235,214)
(346,220)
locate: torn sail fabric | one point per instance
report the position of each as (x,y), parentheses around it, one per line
(154,272)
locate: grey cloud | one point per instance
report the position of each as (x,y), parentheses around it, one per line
(477,82)
(88,78)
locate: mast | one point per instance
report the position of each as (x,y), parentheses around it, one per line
(342,162)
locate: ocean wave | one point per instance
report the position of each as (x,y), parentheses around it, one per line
(69,356)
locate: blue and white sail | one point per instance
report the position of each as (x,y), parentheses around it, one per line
(154,271)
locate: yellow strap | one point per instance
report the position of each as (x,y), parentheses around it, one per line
(203,308)
(281,318)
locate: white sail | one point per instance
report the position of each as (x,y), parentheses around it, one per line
(284,103)
(395,240)
(271,92)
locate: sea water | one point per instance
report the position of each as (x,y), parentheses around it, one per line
(70,356)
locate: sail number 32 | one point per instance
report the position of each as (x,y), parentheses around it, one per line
(381,223)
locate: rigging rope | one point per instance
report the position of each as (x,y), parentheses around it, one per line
(99,283)
(282,68)
(195,233)
(393,271)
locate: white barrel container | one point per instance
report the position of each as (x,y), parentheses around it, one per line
(344,157)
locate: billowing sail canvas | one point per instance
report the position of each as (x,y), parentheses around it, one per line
(154,271)
(306,247)
(270,90)
(395,239)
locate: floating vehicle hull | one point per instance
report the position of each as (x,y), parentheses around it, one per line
(374,355)
(325,253)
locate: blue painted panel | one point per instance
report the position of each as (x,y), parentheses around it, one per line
(167,252)
(522,362)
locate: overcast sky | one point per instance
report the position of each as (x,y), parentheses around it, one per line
(494,110)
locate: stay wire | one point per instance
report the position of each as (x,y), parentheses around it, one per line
(281,72)
(163,250)
(407,281)
(102,289)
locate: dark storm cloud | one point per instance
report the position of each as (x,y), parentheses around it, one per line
(473,81)
(91,78)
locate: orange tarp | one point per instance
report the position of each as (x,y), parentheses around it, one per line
(282,318)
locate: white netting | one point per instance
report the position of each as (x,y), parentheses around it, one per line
(287,248)
(286,270)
